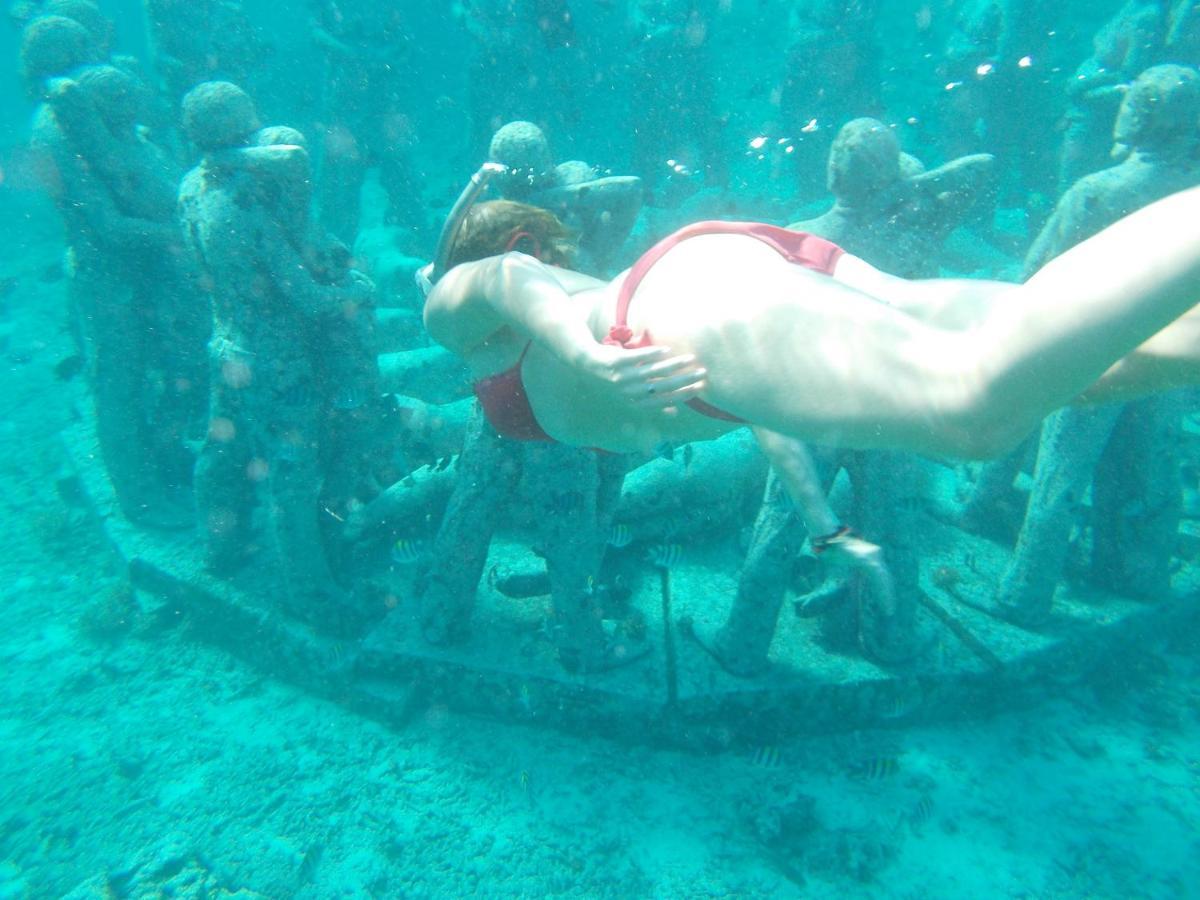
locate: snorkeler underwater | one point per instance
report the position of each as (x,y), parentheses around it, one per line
(656,448)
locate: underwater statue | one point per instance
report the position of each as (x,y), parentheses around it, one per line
(136,312)
(365,116)
(671,72)
(887,208)
(831,75)
(601,209)
(1139,35)
(572,492)
(276,302)
(1128,452)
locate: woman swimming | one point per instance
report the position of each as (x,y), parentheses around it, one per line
(784,332)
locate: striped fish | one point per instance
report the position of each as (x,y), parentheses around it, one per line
(666,556)
(620,536)
(876,768)
(406,551)
(767,757)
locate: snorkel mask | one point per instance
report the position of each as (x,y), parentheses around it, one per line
(428,276)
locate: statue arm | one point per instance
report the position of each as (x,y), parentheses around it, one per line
(106,224)
(285,268)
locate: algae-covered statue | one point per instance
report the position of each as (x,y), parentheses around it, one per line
(602,209)
(1128,452)
(365,114)
(887,208)
(137,317)
(244,210)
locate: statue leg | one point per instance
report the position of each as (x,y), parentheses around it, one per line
(742,643)
(224,492)
(1137,499)
(488,469)
(995,508)
(566,484)
(293,488)
(117,337)
(1071,443)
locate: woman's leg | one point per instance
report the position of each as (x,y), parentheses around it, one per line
(1049,339)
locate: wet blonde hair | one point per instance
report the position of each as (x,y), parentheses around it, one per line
(496,226)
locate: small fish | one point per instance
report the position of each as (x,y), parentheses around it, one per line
(876,768)
(688,453)
(620,536)
(67,368)
(666,556)
(767,757)
(406,551)
(921,812)
(525,701)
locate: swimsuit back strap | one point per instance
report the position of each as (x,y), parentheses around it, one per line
(798,247)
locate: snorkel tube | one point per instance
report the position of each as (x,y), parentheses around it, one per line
(458,213)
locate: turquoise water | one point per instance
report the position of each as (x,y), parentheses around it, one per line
(168,731)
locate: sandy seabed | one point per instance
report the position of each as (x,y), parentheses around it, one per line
(139,762)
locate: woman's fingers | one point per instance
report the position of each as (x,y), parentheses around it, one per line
(653,377)
(666,390)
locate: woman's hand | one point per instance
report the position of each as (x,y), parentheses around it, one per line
(648,376)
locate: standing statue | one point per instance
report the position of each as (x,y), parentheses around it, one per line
(1128,452)
(137,317)
(364,115)
(244,210)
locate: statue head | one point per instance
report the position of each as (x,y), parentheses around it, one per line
(87,14)
(863,161)
(523,148)
(118,97)
(219,114)
(55,45)
(1160,112)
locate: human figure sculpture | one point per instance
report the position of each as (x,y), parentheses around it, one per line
(1129,452)
(197,40)
(364,115)
(894,215)
(671,76)
(602,209)
(244,210)
(998,85)
(575,489)
(135,312)
(887,208)
(831,75)
(1138,36)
